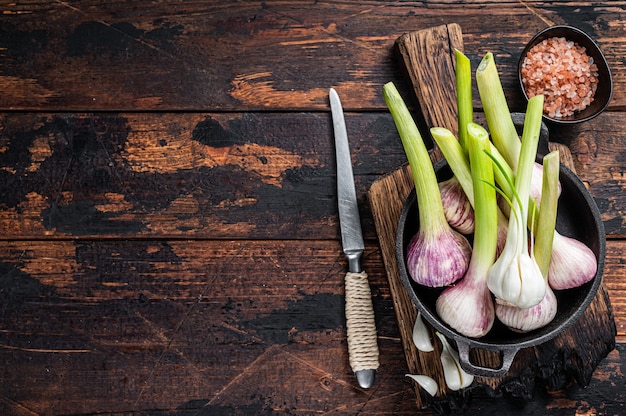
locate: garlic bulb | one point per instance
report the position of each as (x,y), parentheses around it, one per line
(515,279)
(573,263)
(437,259)
(456,378)
(467,306)
(536,183)
(425,382)
(525,320)
(456,206)
(421,335)
(437,255)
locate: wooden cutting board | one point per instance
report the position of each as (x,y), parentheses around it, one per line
(428,58)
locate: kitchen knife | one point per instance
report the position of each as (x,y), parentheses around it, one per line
(361,328)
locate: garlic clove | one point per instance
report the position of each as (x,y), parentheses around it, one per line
(573,263)
(456,378)
(450,372)
(456,206)
(533,282)
(421,335)
(425,382)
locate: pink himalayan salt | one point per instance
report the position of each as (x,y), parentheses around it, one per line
(562,71)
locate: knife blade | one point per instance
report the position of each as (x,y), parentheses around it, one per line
(360,324)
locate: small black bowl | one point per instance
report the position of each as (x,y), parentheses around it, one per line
(604,92)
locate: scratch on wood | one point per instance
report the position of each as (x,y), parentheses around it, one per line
(326,374)
(183,319)
(244,372)
(43,350)
(14,408)
(534,11)
(242,332)
(137,39)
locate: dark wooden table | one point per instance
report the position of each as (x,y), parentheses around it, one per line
(169,234)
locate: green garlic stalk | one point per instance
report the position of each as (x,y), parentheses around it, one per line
(465,109)
(453,153)
(538,316)
(515,278)
(546,218)
(437,255)
(501,127)
(457,207)
(467,306)
(503,132)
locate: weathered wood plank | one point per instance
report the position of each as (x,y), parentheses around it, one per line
(186,175)
(186,270)
(257,55)
(86,321)
(210,175)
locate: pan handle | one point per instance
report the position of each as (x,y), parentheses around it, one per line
(508,355)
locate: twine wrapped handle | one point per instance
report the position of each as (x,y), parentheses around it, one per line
(361,328)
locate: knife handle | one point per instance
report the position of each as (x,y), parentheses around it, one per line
(361,328)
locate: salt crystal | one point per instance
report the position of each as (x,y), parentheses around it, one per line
(561,70)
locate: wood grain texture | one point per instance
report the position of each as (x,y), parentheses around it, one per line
(209,322)
(181,175)
(428,57)
(214,175)
(249,55)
